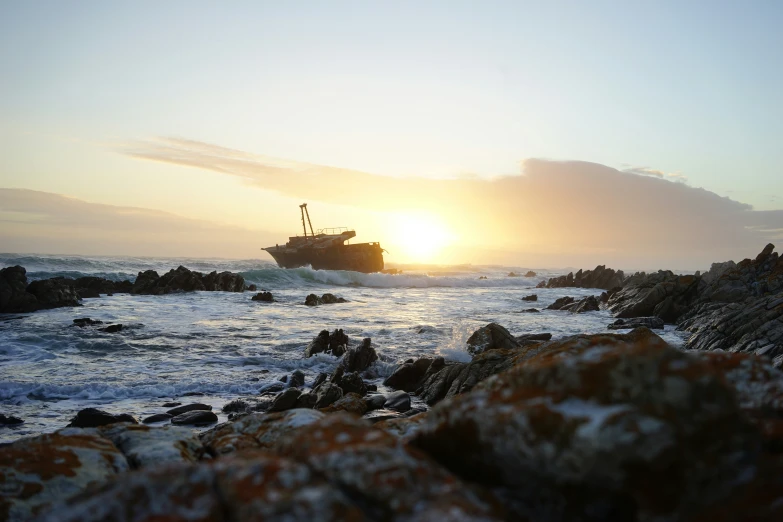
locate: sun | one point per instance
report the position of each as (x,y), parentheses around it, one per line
(418,237)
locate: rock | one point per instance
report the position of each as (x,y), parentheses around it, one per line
(92,418)
(112,328)
(53,293)
(236,406)
(257,430)
(224,282)
(283,379)
(482,277)
(320,379)
(359,358)
(196,406)
(145,447)
(327,394)
(530,273)
(286,400)
(265,297)
(146,282)
(662,294)
(314,300)
(532,297)
(611,425)
(649,322)
(171,404)
(9,420)
(195,417)
(402,427)
(561,303)
(352,383)
(182,279)
(398,401)
(528,339)
(14,297)
(334,343)
(251,288)
(530,311)
(600,277)
(86,321)
(297,379)
(158,417)
(306,400)
(350,402)
(588,304)
(409,376)
(91,287)
(375,402)
(371,387)
(512,274)
(490,337)
(193,394)
(37,472)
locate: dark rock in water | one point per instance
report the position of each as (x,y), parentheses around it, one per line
(409,376)
(530,311)
(482,277)
(159,417)
(314,300)
(513,274)
(54,293)
(171,404)
(334,343)
(265,297)
(193,394)
(662,294)
(490,337)
(146,282)
(527,339)
(236,406)
(182,279)
(532,297)
(320,379)
(306,400)
(179,410)
(359,358)
(297,379)
(352,382)
(251,288)
(86,321)
(286,400)
(14,297)
(327,394)
(284,379)
(337,375)
(9,420)
(649,322)
(91,287)
(375,402)
(92,418)
(112,328)
(398,401)
(530,273)
(195,418)
(600,277)
(569,304)
(224,282)
(371,387)
(318,345)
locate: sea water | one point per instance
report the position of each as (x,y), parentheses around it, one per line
(223,345)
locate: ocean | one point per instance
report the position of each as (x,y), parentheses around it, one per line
(225,346)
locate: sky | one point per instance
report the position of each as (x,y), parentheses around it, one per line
(637,135)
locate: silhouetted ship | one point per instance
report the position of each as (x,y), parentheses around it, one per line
(326,250)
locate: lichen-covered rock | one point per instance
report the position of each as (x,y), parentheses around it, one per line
(623,427)
(256,430)
(490,337)
(92,418)
(14,297)
(359,358)
(409,376)
(145,447)
(37,472)
(350,402)
(402,427)
(391,481)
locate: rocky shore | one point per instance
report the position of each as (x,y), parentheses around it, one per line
(612,426)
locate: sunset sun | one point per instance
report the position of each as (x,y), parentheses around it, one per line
(419,237)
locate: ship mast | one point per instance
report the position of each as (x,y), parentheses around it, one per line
(303,210)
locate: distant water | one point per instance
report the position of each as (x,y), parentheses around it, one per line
(226,346)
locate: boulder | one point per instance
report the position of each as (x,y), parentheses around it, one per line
(350,402)
(297,379)
(630,324)
(92,418)
(146,282)
(14,297)
(359,358)
(600,277)
(306,400)
(195,418)
(398,401)
(112,328)
(528,339)
(530,273)
(532,297)
(334,343)
(54,293)
(265,297)
(314,300)
(375,402)
(569,304)
(352,383)
(286,400)
(611,425)
(236,406)
(224,282)
(409,376)
(326,394)
(86,321)
(9,420)
(196,406)
(530,311)
(561,303)
(38,472)
(490,337)
(90,286)
(146,447)
(183,279)
(158,417)
(662,294)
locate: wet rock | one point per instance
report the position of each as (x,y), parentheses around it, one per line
(158,417)
(530,311)
(195,418)
(334,343)
(297,379)
(402,427)
(532,297)
(265,297)
(512,274)
(112,328)
(171,404)
(338,342)
(91,287)
(662,294)
(352,383)
(9,420)
(183,279)
(146,282)
(86,321)
(257,430)
(306,400)
(251,288)
(561,303)
(283,379)
(53,293)
(224,282)
(490,337)
(236,406)
(648,322)
(569,304)
(530,273)
(359,358)
(409,376)
(179,410)
(327,394)
(145,447)
(40,471)
(286,400)
(398,401)
(375,402)
(14,297)
(92,418)
(528,339)
(482,277)
(600,277)
(314,300)
(612,425)
(320,379)
(350,402)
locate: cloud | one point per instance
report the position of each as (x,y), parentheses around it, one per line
(554,212)
(647,171)
(33,221)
